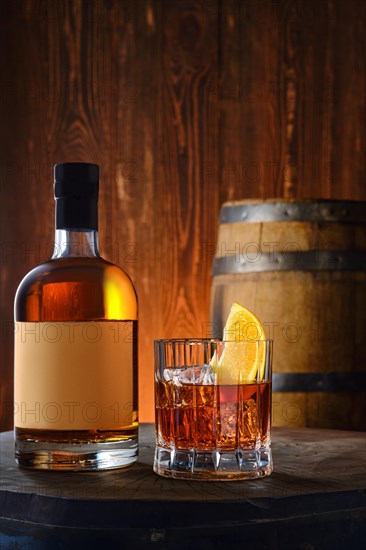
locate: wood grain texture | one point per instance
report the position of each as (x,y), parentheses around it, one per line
(184,104)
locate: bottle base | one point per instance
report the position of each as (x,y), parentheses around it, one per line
(76,457)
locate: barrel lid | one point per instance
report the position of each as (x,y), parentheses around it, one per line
(306,210)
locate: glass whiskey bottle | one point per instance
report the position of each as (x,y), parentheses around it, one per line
(75,371)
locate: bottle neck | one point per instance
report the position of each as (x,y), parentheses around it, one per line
(76,243)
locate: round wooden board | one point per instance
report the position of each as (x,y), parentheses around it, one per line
(316,493)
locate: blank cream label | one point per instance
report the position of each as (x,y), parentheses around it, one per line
(73,376)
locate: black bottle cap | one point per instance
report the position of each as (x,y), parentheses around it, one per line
(76,194)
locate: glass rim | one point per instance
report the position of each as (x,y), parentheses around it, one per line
(209,340)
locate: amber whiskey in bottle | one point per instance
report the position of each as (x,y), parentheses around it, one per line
(75,372)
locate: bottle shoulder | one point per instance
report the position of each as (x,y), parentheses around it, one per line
(72,269)
(76,287)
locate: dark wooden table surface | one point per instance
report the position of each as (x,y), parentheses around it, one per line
(315,498)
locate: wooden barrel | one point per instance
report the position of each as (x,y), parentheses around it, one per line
(300,265)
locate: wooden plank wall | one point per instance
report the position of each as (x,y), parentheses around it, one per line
(184,104)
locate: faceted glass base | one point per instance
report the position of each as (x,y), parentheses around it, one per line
(76,457)
(213,465)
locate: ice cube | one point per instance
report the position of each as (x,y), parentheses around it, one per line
(171,375)
(195,374)
(250,417)
(209,376)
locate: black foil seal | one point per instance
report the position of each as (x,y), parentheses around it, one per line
(76,193)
